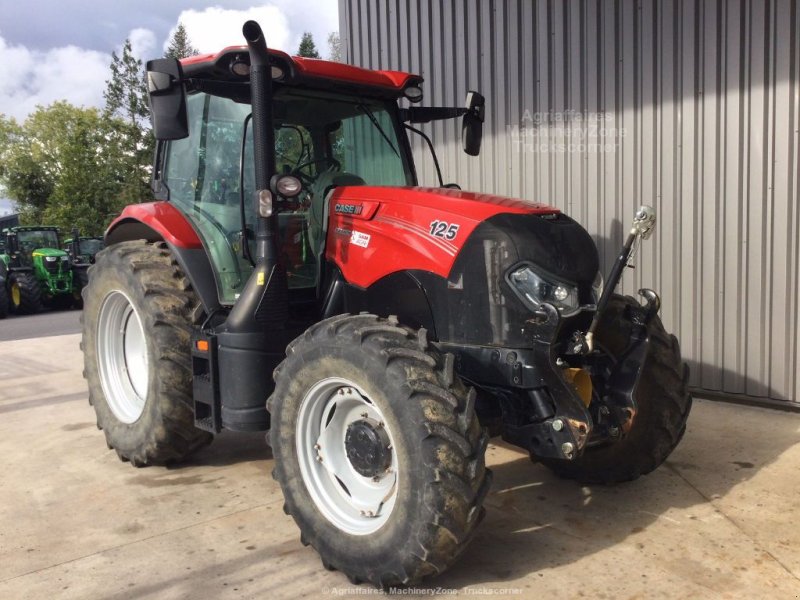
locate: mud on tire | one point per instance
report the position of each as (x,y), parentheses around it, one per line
(663,404)
(440,448)
(167,306)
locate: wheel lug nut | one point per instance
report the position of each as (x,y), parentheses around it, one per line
(317,446)
(364,415)
(558,425)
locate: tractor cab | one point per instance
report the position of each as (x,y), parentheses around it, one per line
(82,250)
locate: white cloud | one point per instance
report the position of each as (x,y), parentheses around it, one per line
(32,77)
(212,29)
(143,43)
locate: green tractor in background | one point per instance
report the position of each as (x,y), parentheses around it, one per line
(81,251)
(38,271)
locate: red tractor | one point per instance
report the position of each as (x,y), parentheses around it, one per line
(291,277)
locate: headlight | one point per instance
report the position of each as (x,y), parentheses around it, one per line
(51,258)
(597,287)
(534,290)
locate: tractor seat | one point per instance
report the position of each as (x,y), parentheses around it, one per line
(320,192)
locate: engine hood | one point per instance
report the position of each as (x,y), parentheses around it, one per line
(375,231)
(48,252)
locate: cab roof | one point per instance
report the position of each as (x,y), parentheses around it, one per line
(299,70)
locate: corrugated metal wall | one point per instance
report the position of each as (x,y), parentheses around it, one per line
(596,107)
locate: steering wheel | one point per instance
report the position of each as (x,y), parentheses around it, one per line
(307,179)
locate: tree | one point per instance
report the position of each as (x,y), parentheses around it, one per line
(63,167)
(180,46)
(334,47)
(307,47)
(127,113)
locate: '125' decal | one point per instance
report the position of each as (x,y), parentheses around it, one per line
(443,229)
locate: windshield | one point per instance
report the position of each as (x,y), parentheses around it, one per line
(320,131)
(33,240)
(91,246)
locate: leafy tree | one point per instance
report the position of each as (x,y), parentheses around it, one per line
(127,111)
(307,47)
(180,46)
(334,47)
(62,167)
(22,173)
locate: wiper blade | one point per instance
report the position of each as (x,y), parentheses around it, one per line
(377,125)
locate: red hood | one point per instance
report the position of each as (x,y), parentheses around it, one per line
(376,231)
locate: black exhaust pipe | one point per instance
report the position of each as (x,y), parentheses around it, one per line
(263,134)
(252,339)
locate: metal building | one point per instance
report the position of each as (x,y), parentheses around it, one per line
(599,106)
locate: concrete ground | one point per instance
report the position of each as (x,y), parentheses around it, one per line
(719,520)
(51,322)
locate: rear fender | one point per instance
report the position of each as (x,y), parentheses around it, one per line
(163,222)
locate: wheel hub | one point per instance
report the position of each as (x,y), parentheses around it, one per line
(122,357)
(16,295)
(368,448)
(347,456)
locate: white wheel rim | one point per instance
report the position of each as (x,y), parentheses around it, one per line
(122,357)
(356,504)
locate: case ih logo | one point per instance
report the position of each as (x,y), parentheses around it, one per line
(348,209)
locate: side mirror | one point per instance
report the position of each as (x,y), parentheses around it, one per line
(167,99)
(472,124)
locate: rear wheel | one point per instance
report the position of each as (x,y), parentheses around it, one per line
(377,450)
(25,293)
(137,320)
(662,402)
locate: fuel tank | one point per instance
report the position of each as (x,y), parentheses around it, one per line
(448,253)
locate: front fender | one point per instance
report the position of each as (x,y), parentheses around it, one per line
(161,221)
(153,221)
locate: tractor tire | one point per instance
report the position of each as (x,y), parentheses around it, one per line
(4,301)
(405,505)
(663,404)
(80,279)
(137,321)
(27,298)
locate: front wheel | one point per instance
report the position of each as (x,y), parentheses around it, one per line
(137,321)
(377,450)
(25,293)
(662,400)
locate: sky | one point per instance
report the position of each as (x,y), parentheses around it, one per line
(61,49)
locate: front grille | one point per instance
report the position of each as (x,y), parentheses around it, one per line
(53,267)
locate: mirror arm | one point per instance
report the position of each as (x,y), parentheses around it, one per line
(430,113)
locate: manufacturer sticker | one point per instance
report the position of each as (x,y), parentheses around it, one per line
(348,209)
(360,239)
(443,229)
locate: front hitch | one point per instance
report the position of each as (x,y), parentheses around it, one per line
(644,221)
(564,432)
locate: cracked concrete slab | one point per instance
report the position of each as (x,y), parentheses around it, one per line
(718,520)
